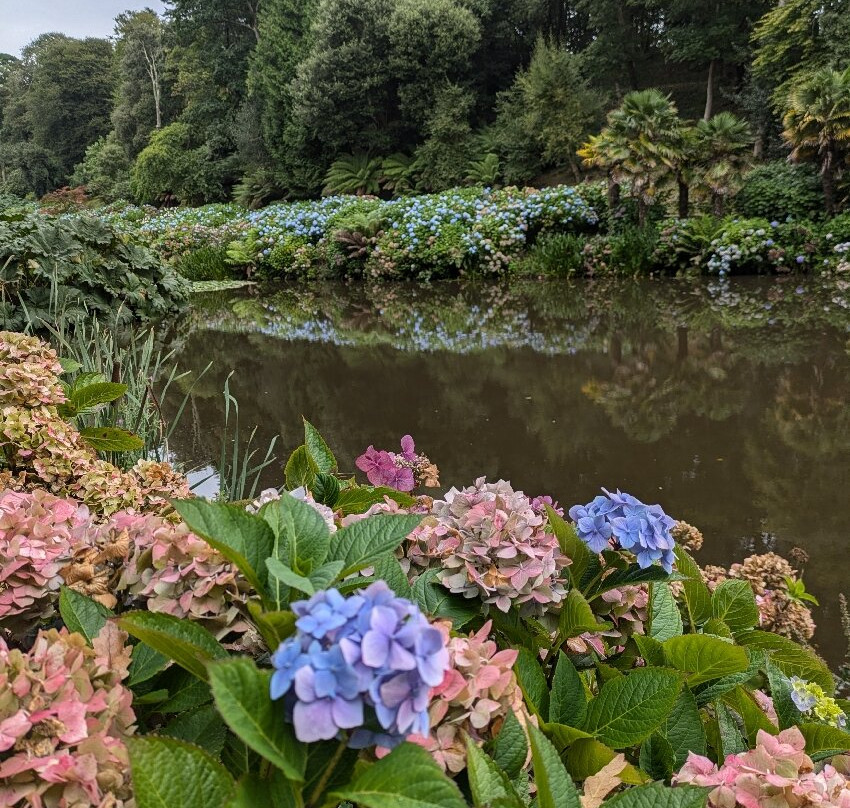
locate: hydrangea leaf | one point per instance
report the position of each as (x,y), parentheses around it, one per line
(703,658)
(303,537)
(361,544)
(111,439)
(189,644)
(555,788)
(567,700)
(279,571)
(319,757)
(587,756)
(325,575)
(275,626)
(435,600)
(733,602)
(718,628)
(628,709)
(406,778)
(387,568)
(780,692)
(634,575)
(82,614)
(656,757)
(510,748)
(792,659)
(326,490)
(322,456)
(684,729)
(241,693)
(709,692)
(185,691)
(201,726)
(824,738)
(697,596)
(571,546)
(363,497)
(488,783)
(563,736)
(145,663)
(650,649)
(300,469)
(253,791)
(577,617)
(89,397)
(743,703)
(729,735)
(168,772)
(665,618)
(657,795)
(532,680)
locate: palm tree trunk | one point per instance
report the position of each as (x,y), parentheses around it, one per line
(719,205)
(642,210)
(613,195)
(828,182)
(709,91)
(684,198)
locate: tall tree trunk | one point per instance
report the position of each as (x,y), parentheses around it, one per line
(642,210)
(684,198)
(828,182)
(613,195)
(709,91)
(574,169)
(719,204)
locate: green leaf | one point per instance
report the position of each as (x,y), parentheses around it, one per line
(629,709)
(697,596)
(91,396)
(665,616)
(69,365)
(587,756)
(822,737)
(169,773)
(322,457)
(703,657)
(388,568)
(743,703)
(253,791)
(323,577)
(792,659)
(275,626)
(145,664)
(650,649)
(718,628)
(571,546)
(656,757)
(731,740)
(188,643)
(563,736)
(532,680)
(241,693)
(733,602)
(361,544)
(326,490)
(567,700)
(487,782)
(436,601)
(202,726)
(555,788)
(684,729)
(510,749)
(279,570)
(303,535)
(111,439)
(577,617)
(780,692)
(185,691)
(634,575)
(319,758)
(363,497)
(242,538)
(657,795)
(406,778)
(300,469)
(82,614)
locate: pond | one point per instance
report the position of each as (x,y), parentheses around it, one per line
(725,401)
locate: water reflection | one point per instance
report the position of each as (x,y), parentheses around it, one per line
(725,401)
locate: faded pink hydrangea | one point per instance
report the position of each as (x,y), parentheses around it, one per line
(400,470)
(29,371)
(64,720)
(777,773)
(39,535)
(478,691)
(173,571)
(489,542)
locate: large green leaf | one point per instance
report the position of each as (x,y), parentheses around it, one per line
(168,773)
(780,693)
(630,708)
(731,740)
(703,658)
(202,726)
(744,704)
(82,614)
(684,729)
(145,664)
(567,699)
(406,778)
(487,782)
(362,497)
(322,456)
(571,546)
(91,396)
(665,618)
(111,439)
(303,537)
(656,757)
(577,617)
(634,575)
(300,469)
(510,749)
(243,538)
(241,693)
(718,688)
(436,601)
(824,738)
(555,788)
(188,643)
(792,659)
(280,572)
(657,795)
(733,602)
(532,680)
(586,756)
(364,542)
(697,596)
(253,791)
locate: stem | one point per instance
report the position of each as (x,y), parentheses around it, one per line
(326,776)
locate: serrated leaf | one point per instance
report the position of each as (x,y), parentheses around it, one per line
(300,469)
(822,737)
(718,628)
(780,692)
(326,490)
(555,788)
(82,614)
(388,569)
(91,396)
(406,778)
(510,749)
(275,791)
(111,439)
(69,365)
(322,456)
(168,772)
(628,709)
(303,537)
(792,659)
(323,577)
(567,699)
(656,757)
(703,658)
(361,498)
(202,726)
(684,729)
(436,601)
(145,663)
(650,649)
(487,782)
(734,603)
(657,795)
(571,546)
(189,644)
(743,703)
(241,693)
(696,594)
(532,680)
(709,692)
(185,691)
(666,620)
(361,544)
(279,570)
(731,740)
(634,575)
(577,617)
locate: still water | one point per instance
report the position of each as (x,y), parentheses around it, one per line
(725,401)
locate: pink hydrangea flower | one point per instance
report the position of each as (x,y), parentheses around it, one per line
(400,470)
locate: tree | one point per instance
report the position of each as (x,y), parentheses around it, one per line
(140,57)
(449,147)
(817,125)
(105,170)
(27,169)
(723,146)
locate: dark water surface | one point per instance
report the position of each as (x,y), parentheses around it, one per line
(725,401)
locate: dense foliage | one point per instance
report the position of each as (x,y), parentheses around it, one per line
(334,642)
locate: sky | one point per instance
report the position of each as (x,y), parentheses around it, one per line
(21,21)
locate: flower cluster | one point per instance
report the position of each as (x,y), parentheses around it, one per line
(64,719)
(622,521)
(365,663)
(400,470)
(776,774)
(810,699)
(478,691)
(272,494)
(490,542)
(39,535)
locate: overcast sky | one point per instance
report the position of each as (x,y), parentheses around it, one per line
(21,21)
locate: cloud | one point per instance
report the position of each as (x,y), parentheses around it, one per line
(24,20)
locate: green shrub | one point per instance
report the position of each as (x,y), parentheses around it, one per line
(206,264)
(555,254)
(105,170)
(778,190)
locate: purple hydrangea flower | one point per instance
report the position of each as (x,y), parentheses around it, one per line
(642,529)
(365,663)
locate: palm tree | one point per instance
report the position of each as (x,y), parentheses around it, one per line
(354,174)
(723,146)
(817,124)
(640,145)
